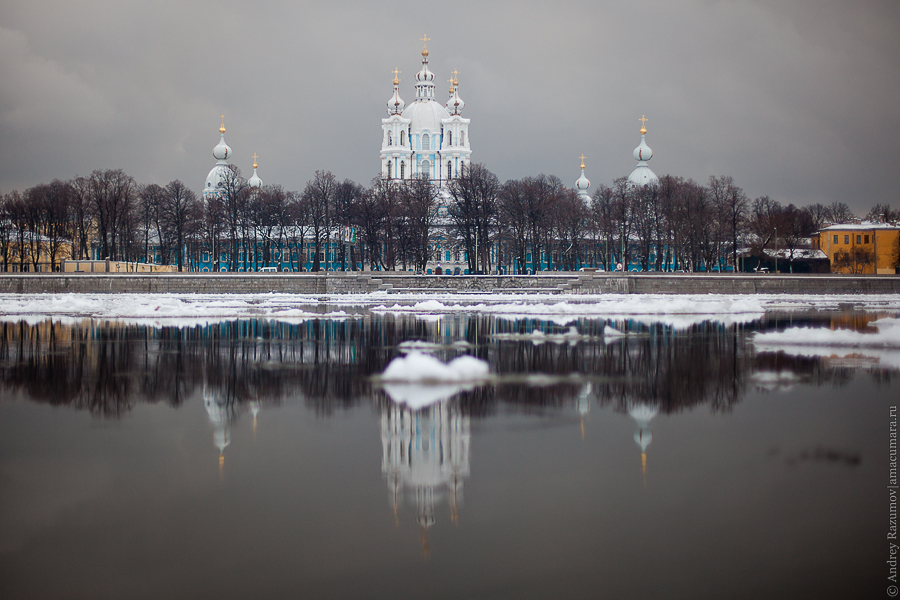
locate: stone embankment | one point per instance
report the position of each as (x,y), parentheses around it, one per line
(362,282)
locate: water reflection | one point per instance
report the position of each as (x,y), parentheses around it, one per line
(106,368)
(425,456)
(568,511)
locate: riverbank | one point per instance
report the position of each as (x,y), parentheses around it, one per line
(365,282)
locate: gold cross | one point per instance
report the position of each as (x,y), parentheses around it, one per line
(222,126)
(582,157)
(425,39)
(255,156)
(450,81)
(455,73)
(643,121)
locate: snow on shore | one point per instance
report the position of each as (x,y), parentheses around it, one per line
(199,309)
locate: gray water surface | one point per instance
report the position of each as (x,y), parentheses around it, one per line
(261,459)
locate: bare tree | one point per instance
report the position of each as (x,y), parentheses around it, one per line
(112,197)
(882,213)
(319,194)
(180,214)
(473,209)
(419,202)
(839,212)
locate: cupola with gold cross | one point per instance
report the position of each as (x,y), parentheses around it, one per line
(583,183)
(642,174)
(255,182)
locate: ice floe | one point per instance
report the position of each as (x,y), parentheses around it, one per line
(840,345)
(419,380)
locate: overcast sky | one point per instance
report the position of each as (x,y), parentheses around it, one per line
(796,99)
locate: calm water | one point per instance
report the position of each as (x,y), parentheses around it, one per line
(260,459)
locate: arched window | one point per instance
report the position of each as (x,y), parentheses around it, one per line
(402,169)
(462,138)
(390,139)
(449,138)
(426,142)
(426,168)
(449,168)
(402,138)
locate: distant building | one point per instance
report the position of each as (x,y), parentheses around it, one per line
(643,174)
(426,137)
(222,152)
(861,247)
(582,184)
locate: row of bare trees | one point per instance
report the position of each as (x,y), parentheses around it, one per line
(535,222)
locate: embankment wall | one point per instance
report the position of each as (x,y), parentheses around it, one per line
(361,282)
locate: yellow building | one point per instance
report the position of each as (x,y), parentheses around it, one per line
(860,247)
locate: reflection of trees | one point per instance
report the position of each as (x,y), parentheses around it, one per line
(107,368)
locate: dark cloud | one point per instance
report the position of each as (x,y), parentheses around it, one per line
(795,100)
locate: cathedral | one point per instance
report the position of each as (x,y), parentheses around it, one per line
(425,138)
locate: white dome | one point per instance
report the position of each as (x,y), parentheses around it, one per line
(425,115)
(455,104)
(583,183)
(255,182)
(424,74)
(643,175)
(216,175)
(396,104)
(643,152)
(222,151)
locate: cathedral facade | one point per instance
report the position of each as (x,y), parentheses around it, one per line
(425,138)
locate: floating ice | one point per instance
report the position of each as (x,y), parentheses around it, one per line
(418,380)
(840,345)
(888,336)
(612,332)
(423,368)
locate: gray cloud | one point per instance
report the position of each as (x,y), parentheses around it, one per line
(795,100)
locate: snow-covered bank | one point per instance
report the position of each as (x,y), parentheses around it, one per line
(192,309)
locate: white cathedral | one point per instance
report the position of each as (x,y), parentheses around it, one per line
(425,138)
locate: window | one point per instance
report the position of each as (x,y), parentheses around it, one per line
(846,239)
(426,168)
(449,168)
(402,138)
(449,138)
(389,170)
(867,239)
(390,139)
(462,138)
(859,239)
(402,169)
(426,142)
(835,238)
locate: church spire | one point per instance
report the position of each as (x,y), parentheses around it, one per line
(455,104)
(642,174)
(222,151)
(424,78)
(396,104)
(255,182)
(583,183)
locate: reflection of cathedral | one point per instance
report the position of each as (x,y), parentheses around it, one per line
(219,411)
(643,413)
(425,452)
